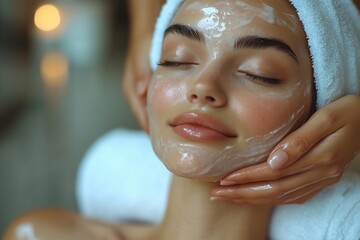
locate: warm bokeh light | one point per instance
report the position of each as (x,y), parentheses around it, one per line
(47,17)
(54,69)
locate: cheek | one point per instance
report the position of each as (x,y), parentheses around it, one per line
(163,95)
(263,115)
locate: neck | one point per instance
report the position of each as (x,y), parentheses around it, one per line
(192,215)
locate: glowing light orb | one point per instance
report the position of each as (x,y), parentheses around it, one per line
(47,17)
(54,69)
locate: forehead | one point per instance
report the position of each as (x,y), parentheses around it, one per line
(280,6)
(239,13)
(221,22)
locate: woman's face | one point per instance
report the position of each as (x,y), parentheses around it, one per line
(234,78)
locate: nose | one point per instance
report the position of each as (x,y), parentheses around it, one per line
(207,90)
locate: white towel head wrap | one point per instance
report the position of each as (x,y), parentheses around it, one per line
(333,31)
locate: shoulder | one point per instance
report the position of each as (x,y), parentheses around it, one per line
(139,231)
(59,224)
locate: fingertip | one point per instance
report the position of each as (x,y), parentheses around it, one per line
(217,199)
(278,159)
(221,191)
(227,183)
(215,193)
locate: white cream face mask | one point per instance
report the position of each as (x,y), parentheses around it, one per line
(259,114)
(213,19)
(212,162)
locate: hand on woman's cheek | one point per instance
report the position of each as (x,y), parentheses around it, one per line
(317,155)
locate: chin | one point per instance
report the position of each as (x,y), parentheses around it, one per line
(203,162)
(196,174)
(189,163)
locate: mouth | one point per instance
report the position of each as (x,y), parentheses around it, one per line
(200,127)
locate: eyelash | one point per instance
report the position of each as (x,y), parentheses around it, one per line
(171,64)
(271,81)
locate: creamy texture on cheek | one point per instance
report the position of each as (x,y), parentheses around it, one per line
(213,161)
(279,109)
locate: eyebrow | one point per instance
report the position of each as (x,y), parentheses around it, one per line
(242,42)
(261,43)
(186,31)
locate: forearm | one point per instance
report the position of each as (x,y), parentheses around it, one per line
(143,14)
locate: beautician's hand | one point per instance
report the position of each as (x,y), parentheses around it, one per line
(143,15)
(308,160)
(137,76)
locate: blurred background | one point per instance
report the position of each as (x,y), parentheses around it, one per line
(61,64)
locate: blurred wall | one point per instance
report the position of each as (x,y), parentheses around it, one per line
(59,92)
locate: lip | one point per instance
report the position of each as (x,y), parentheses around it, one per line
(201,127)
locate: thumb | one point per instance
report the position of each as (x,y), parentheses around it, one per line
(299,142)
(288,151)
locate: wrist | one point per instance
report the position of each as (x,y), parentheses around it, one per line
(143,15)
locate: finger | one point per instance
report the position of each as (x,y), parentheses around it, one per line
(299,198)
(263,172)
(258,172)
(299,142)
(278,188)
(328,153)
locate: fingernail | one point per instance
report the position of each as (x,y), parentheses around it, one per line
(278,159)
(216,199)
(227,183)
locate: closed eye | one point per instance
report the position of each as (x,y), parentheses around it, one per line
(173,64)
(266,80)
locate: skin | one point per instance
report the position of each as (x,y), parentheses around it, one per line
(332,149)
(209,87)
(315,175)
(59,224)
